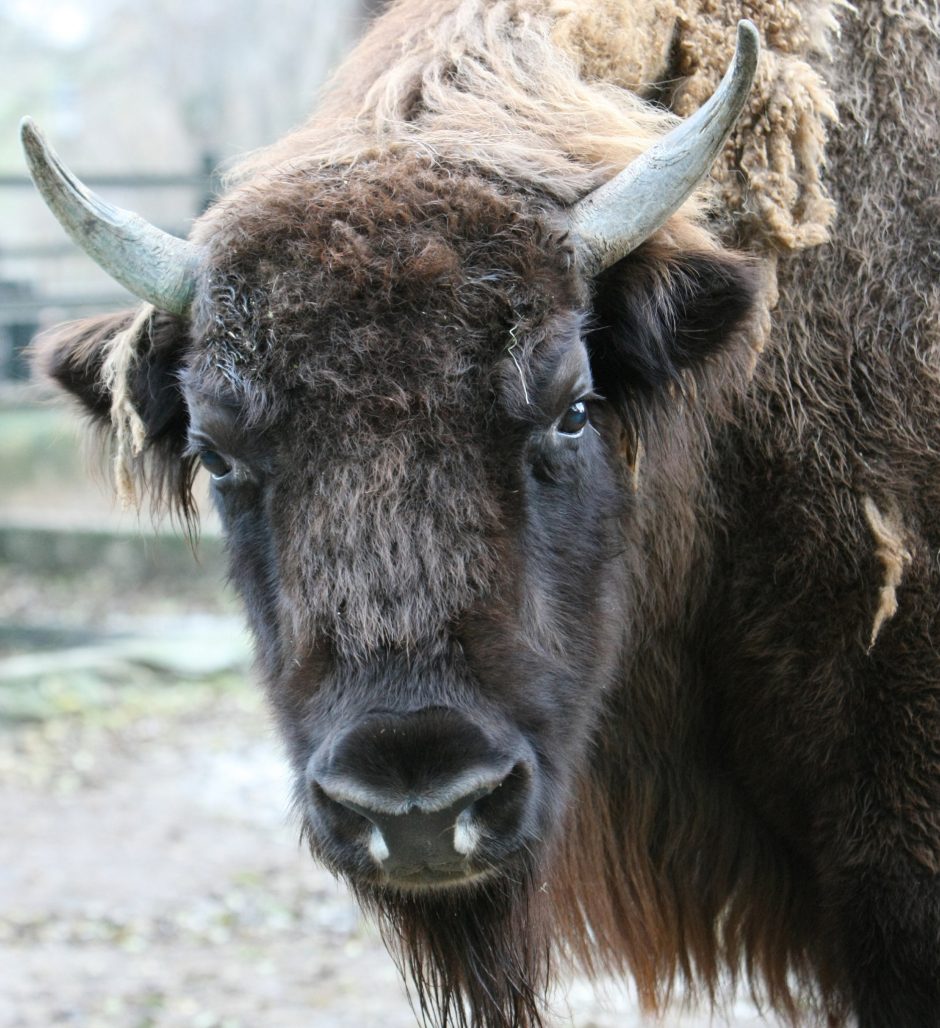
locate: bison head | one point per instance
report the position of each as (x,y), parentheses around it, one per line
(418,394)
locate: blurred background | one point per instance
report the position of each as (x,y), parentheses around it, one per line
(149,872)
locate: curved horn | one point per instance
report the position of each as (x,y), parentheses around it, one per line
(152,264)
(617,216)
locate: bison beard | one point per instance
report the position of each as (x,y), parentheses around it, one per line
(474,958)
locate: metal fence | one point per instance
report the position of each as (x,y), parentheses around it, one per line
(47,279)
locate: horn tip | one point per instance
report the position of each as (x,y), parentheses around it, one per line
(32,140)
(35,148)
(28,129)
(748,37)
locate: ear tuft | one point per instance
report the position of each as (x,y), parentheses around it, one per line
(123,369)
(72,355)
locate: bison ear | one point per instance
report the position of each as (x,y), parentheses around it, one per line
(124,371)
(662,313)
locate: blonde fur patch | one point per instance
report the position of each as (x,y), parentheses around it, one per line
(894,556)
(528,91)
(129,431)
(635,465)
(542,93)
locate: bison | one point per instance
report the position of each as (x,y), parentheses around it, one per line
(586,519)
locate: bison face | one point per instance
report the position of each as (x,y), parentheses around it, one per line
(430,559)
(420,420)
(420,485)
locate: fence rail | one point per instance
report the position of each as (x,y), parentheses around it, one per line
(147,180)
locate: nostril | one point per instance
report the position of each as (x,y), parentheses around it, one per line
(493,810)
(323,798)
(352,820)
(501,808)
(340,808)
(334,795)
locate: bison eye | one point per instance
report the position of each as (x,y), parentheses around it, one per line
(214,463)
(574,419)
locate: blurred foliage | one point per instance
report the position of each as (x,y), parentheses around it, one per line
(150,91)
(156,83)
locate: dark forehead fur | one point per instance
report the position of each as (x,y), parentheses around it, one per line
(363,320)
(362,268)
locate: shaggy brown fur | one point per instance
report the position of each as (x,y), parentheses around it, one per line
(724,653)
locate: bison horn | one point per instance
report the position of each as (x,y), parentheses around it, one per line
(616,217)
(152,264)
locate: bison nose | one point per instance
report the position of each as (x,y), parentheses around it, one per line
(419,791)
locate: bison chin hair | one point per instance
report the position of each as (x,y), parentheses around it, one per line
(474,957)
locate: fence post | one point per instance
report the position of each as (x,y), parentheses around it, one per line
(16,331)
(212,178)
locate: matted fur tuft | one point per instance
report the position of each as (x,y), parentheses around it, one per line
(114,365)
